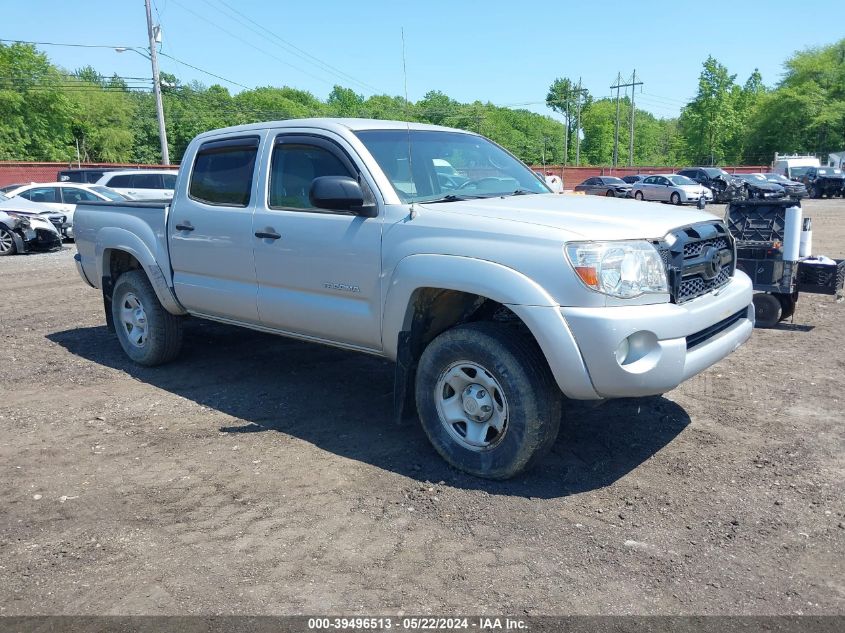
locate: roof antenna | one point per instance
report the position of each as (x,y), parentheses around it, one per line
(413,209)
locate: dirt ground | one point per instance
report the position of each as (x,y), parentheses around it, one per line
(264,476)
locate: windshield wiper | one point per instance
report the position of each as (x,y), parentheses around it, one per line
(523,192)
(450,197)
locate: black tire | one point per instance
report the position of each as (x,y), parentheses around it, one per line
(610,194)
(639,196)
(812,192)
(767,310)
(7,242)
(675,198)
(787,304)
(163,331)
(532,399)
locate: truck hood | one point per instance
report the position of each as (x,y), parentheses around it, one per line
(584,217)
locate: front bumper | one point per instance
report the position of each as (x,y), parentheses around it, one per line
(667,343)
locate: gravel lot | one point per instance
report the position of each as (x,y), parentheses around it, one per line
(261,475)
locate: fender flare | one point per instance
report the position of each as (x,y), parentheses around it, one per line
(119,239)
(451,272)
(525,298)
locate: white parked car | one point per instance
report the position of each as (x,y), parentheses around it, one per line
(141,184)
(24,229)
(671,188)
(62,197)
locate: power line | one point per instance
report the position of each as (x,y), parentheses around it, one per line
(209,73)
(178,61)
(244,41)
(289,47)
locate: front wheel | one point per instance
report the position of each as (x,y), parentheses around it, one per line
(675,198)
(639,196)
(148,333)
(487,400)
(7,242)
(610,194)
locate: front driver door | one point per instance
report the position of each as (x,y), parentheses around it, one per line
(319,271)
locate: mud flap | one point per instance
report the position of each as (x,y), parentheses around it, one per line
(404,404)
(108,290)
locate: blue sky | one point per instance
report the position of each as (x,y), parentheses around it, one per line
(503,52)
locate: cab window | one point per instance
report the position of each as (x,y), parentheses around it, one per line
(294,167)
(223,172)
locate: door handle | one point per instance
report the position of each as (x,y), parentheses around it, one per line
(184,227)
(267,235)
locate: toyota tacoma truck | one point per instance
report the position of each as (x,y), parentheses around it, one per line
(496,299)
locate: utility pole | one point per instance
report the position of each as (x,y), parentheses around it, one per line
(566,133)
(616,136)
(634,84)
(580,91)
(162,131)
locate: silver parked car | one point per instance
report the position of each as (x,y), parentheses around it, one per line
(671,188)
(609,186)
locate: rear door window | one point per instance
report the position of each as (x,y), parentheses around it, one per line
(146,181)
(168,181)
(121,182)
(75,195)
(223,172)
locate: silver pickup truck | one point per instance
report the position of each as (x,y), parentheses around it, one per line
(496,298)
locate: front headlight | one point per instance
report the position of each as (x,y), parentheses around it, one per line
(618,269)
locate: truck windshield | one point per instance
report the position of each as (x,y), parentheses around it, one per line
(429,165)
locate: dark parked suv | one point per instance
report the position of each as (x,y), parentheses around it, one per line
(724,186)
(824,181)
(84,174)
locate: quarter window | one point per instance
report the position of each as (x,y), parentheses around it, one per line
(294,168)
(223,172)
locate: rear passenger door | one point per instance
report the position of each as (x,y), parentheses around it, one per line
(210,231)
(319,274)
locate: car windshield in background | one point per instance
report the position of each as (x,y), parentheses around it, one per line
(829,171)
(681,180)
(430,165)
(753,177)
(712,172)
(3,196)
(798,172)
(776,178)
(612,180)
(112,195)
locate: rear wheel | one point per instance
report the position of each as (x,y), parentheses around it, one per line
(7,242)
(487,400)
(639,195)
(675,198)
(148,333)
(767,310)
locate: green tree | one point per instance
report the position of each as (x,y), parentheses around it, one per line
(709,122)
(34,108)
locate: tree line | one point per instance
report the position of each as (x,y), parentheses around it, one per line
(51,114)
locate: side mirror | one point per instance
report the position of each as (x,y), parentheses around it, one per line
(340,193)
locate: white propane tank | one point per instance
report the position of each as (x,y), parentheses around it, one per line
(792,234)
(806,248)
